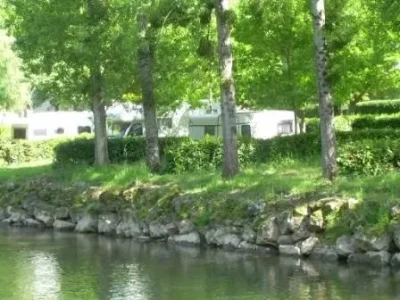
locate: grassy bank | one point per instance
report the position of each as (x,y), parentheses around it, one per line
(278,185)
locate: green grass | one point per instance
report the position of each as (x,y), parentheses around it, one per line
(279,184)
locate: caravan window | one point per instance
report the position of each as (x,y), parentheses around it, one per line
(285,127)
(19,133)
(60,130)
(84,129)
(246,130)
(165,122)
(136,130)
(209,130)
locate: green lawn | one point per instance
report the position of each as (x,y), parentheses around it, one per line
(278,184)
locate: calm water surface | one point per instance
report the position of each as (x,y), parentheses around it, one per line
(46,265)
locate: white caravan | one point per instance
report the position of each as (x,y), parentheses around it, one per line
(50,125)
(263,124)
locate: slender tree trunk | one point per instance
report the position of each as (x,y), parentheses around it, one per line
(326,112)
(99,116)
(149,102)
(228,102)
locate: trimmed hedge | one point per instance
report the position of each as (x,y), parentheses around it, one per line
(342,123)
(377,122)
(184,154)
(22,151)
(377,107)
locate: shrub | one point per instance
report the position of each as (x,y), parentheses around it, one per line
(342,123)
(5,132)
(378,107)
(377,122)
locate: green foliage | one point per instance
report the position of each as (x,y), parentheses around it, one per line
(376,122)
(5,132)
(22,151)
(377,107)
(369,156)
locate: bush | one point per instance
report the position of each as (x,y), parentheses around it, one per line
(342,123)
(378,107)
(5,132)
(22,151)
(377,122)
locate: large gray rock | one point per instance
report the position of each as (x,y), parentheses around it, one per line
(372,258)
(231,241)
(249,247)
(158,230)
(301,234)
(285,240)
(30,202)
(396,236)
(88,224)
(249,235)
(33,223)
(108,223)
(186,226)
(326,253)
(61,225)
(346,245)
(61,213)
(268,233)
(372,243)
(308,245)
(45,216)
(190,239)
(395,261)
(316,221)
(216,236)
(129,226)
(256,208)
(289,250)
(288,223)
(76,214)
(16,216)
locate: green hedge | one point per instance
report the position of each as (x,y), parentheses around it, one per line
(342,123)
(377,122)
(22,151)
(184,154)
(377,107)
(5,132)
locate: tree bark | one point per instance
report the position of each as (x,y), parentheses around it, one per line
(99,116)
(149,102)
(326,112)
(228,102)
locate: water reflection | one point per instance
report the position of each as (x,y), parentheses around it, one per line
(50,265)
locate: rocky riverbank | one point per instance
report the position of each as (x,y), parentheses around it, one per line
(163,213)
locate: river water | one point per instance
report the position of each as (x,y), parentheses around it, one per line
(47,265)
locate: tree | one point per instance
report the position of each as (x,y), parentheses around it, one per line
(328,138)
(80,48)
(228,103)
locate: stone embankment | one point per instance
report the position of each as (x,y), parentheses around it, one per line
(150,213)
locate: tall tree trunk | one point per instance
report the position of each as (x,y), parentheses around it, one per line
(228,102)
(99,116)
(149,102)
(326,112)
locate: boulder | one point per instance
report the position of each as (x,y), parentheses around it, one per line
(316,221)
(249,247)
(216,236)
(326,253)
(108,223)
(88,224)
(285,240)
(268,233)
(396,236)
(346,245)
(32,223)
(230,241)
(145,228)
(288,223)
(302,233)
(29,203)
(61,213)
(129,226)
(76,214)
(45,216)
(302,210)
(190,239)
(158,230)
(395,261)
(308,245)
(186,226)
(372,258)
(61,225)
(395,212)
(372,243)
(249,235)
(256,208)
(289,250)
(16,216)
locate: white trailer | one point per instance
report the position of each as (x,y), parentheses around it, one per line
(264,124)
